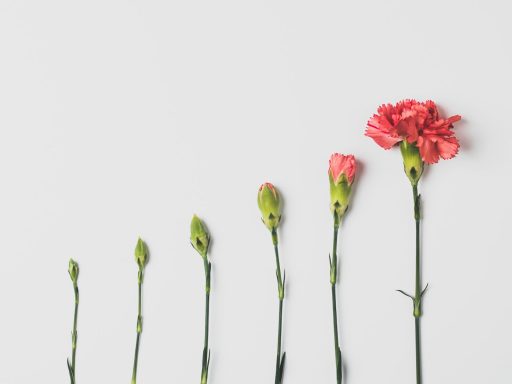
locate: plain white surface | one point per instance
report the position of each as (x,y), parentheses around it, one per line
(121,118)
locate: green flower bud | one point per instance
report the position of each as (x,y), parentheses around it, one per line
(342,171)
(269,203)
(73,270)
(141,253)
(199,236)
(413,164)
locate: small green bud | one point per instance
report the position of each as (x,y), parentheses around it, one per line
(199,236)
(141,253)
(269,203)
(413,164)
(73,270)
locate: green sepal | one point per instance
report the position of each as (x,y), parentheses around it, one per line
(413,164)
(340,197)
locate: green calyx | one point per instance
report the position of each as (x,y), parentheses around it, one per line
(340,196)
(141,253)
(73,270)
(413,164)
(269,203)
(199,237)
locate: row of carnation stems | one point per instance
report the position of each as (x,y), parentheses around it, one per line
(341,175)
(200,241)
(393,125)
(269,202)
(342,171)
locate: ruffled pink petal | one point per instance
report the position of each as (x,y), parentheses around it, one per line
(428,150)
(385,139)
(448,147)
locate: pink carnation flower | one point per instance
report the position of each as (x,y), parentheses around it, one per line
(340,165)
(418,123)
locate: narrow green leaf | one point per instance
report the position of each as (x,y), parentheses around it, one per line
(424,289)
(406,294)
(71,374)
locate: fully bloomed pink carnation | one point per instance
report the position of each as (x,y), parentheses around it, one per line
(340,165)
(418,123)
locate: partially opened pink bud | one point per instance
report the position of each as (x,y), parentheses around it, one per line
(342,165)
(342,171)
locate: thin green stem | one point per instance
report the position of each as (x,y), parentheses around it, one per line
(334,276)
(417,290)
(278,267)
(207,321)
(280,287)
(74,335)
(139,328)
(207,306)
(418,349)
(279,333)
(205,361)
(417,221)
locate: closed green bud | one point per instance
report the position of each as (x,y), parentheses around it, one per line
(269,203)
(413,164)
(199,236)
(73,270)
(141,253)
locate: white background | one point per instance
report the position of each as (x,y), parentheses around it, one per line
(123,118)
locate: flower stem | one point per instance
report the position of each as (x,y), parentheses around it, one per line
(139,327)
(418,349)
(74,335)
(279,333)
(334,276)
(417,291)
(280,285)
(206,354)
